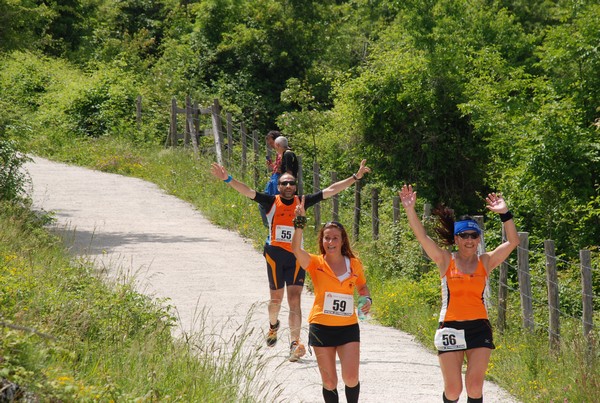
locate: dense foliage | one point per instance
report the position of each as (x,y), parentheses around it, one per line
(460,97)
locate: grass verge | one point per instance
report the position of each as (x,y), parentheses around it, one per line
(68,334)
(405,291)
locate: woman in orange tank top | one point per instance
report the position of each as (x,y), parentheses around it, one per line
(336,274)
(464,330)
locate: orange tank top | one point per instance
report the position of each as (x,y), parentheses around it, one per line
(281,223)
(464,295)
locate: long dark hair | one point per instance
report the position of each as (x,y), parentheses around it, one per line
(346,249)
(445,223)
(444,227)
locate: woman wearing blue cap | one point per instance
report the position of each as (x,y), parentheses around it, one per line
(464,326)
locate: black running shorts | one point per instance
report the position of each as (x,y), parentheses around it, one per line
(282,268)
(332,336)
(478,333)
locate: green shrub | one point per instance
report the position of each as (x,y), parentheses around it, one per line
(12,178)
(105,105)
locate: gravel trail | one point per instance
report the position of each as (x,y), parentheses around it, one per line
(127,225)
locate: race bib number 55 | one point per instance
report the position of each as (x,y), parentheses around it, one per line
(283,233)
(338,304)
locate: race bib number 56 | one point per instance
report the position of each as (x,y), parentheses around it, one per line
(338,304)
(448,339)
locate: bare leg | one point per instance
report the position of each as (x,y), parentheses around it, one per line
(349,354)
(326,361)
(275,304)
(477,363)
(451,365)
(293,296)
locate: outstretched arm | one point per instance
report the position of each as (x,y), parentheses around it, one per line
(302,256)
(220,172)
(337,187)
(497,204)
(440,256)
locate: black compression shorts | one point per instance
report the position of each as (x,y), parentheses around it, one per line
(282,268)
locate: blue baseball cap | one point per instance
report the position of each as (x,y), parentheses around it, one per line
(466,225)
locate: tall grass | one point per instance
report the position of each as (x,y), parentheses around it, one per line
(404,285)
(68,334)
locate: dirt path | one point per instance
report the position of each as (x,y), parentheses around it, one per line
(130,226)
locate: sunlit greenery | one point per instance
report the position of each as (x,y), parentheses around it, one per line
(459,97)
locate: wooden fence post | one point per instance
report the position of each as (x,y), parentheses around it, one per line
(138,112)
(217,129)
(396,209)
(356,224)
(244,149)
(502,292)
(525,281)
(426,212)
(553,300)
(229,136)
(188,121)
(269,151)
(196,117)
(256,146)
(375,213)
(316,188)
(335,201)
(193,124)
(299,179)
(587,292)
(479,220)
(173,126)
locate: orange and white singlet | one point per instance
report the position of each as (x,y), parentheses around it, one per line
(281,223)
(464,295)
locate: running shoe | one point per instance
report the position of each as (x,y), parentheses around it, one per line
(272,336)
(297,350)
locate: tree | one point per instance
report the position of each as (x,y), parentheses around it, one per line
(404,104)
(22,24)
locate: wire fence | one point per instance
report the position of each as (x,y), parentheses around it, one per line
(539,291)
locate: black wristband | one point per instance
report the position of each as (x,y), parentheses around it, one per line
(300,222)
(356,178)
(504,217)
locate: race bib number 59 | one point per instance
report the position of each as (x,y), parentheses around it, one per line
(338,304)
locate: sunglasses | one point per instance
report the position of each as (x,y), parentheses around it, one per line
(468,235)
(286,183)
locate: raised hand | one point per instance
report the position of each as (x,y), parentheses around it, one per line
(218,171)
(495,202)
(363,169)
(300,211)
(408,196)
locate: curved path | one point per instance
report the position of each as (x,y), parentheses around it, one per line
(216,280)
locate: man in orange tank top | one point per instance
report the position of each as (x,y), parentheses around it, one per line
(283,270)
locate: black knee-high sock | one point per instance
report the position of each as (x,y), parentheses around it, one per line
(446,400)
(352,393)
(474,400)
(331,396)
